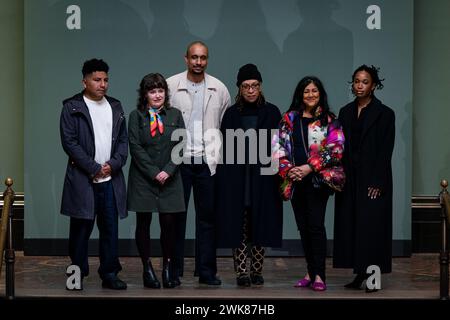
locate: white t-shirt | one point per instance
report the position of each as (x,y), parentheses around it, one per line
(101,116)
(195,146)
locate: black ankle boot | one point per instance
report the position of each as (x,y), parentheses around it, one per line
(257,278)
(176,280)
(357,282)
(150,279)
(167,275)
(243,280)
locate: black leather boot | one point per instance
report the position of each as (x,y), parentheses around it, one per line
(167,275)
(150,279)
(257,278)
(243,280)
(357,282)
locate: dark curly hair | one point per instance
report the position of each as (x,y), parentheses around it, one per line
(94,65)
(150,82)
(297,100)
(373,71)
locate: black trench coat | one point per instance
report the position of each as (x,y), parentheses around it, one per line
(266,210)
(363,227)
(77,138)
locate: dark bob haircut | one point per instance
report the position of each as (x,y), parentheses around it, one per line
(150,82)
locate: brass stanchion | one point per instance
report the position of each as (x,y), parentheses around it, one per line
(444,255)
(6,234)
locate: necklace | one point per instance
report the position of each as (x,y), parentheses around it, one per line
(364,104)
(303,137)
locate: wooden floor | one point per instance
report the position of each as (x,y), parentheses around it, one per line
(44,277)
(412,288)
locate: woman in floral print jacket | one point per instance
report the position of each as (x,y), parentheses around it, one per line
(309,152)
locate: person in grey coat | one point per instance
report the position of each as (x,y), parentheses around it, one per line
(94,136)
(154,182)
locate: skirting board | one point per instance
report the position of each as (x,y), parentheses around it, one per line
(127,247)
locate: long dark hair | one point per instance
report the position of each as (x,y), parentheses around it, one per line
(297,99)
(240,101)
(150,82)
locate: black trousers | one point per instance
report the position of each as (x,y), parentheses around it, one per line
(107,223)
(198,177)
(309,206)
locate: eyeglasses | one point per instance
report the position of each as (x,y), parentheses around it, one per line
(247,87)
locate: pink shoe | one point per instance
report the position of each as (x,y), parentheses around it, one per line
(303,283)
(319,286)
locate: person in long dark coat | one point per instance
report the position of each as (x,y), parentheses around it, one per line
(154,182)
(249,208)
(363,211)
(94,136)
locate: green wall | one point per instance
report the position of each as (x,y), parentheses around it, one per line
(11,93)
(431,150)
(431,112)
(287,40)
(431,116)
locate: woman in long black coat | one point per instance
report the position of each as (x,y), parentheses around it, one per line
(363,211)
(249,208)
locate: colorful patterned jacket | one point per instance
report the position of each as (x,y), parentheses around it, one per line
(326,147)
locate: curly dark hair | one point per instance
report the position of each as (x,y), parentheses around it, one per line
(150,82)
(373,71)
(94,65)
(297,99)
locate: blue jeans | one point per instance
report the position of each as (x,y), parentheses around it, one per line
(107,223)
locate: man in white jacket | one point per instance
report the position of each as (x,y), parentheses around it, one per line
(202,99)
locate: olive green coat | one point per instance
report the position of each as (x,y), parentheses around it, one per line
(149,156)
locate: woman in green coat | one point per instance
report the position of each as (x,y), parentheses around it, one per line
(154,182)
